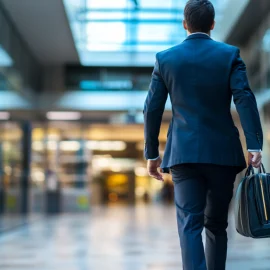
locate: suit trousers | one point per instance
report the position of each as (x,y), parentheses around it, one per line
(202,194)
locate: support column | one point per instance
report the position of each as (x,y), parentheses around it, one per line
(26,165)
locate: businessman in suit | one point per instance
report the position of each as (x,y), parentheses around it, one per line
(203,150)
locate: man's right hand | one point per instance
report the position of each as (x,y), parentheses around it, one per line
(255,159)
(152,168)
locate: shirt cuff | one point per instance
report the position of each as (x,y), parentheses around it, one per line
(256,150)
(153,158)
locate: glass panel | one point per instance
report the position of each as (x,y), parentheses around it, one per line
(98,33)
(166,33)
(162,3)
(107,3)
(95,15)
(129,25)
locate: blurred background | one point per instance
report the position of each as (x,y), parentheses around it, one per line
(74,75)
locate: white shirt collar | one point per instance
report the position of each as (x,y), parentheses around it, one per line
(198,33)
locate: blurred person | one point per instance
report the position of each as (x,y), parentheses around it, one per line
(203,150)
(146,197)
(53,192)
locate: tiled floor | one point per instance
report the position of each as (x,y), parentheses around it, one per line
(11,221)
(115,238)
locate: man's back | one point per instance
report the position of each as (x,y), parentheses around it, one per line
(198,75)
(203,150)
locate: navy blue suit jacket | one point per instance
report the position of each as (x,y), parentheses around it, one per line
(201,76)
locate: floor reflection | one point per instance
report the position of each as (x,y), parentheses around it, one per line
(116,237)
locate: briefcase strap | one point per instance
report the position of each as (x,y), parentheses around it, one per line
(250,171)
(262,169)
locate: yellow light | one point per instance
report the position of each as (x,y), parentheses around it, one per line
(38,176)
(53,136)
(117,179)
(139,191)
(106,145)
(38,146)
(116,168)
(101,162)
(6,146)
(69,146)
(118,146)
(141,171)
(7,170)
(38,134)
(52,145)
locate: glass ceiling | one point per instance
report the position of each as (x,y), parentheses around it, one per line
(127,26)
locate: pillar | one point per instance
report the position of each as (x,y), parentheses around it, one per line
(26,166)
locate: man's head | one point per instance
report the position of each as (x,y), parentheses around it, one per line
(199,16)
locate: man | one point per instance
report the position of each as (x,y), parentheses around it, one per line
(203,150)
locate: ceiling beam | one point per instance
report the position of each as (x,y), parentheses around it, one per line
(44,27)
(248,22)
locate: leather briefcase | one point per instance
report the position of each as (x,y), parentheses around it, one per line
(252,204)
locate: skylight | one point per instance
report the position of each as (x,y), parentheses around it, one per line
(125,27)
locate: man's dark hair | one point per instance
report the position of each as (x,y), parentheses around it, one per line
(199,15)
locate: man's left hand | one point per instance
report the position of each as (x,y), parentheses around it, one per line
(152,168)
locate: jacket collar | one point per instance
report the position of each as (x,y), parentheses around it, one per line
(198,35)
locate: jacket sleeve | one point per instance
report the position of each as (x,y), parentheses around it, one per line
(246,104)
(153,110)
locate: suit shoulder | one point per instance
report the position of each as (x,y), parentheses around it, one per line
(227,47)
(168,51)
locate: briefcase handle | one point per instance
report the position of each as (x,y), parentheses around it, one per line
(262,169)
(250,170)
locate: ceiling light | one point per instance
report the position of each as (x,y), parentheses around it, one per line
(63,115)
(4,115)
(101,162)
(70,146)
(106,145)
